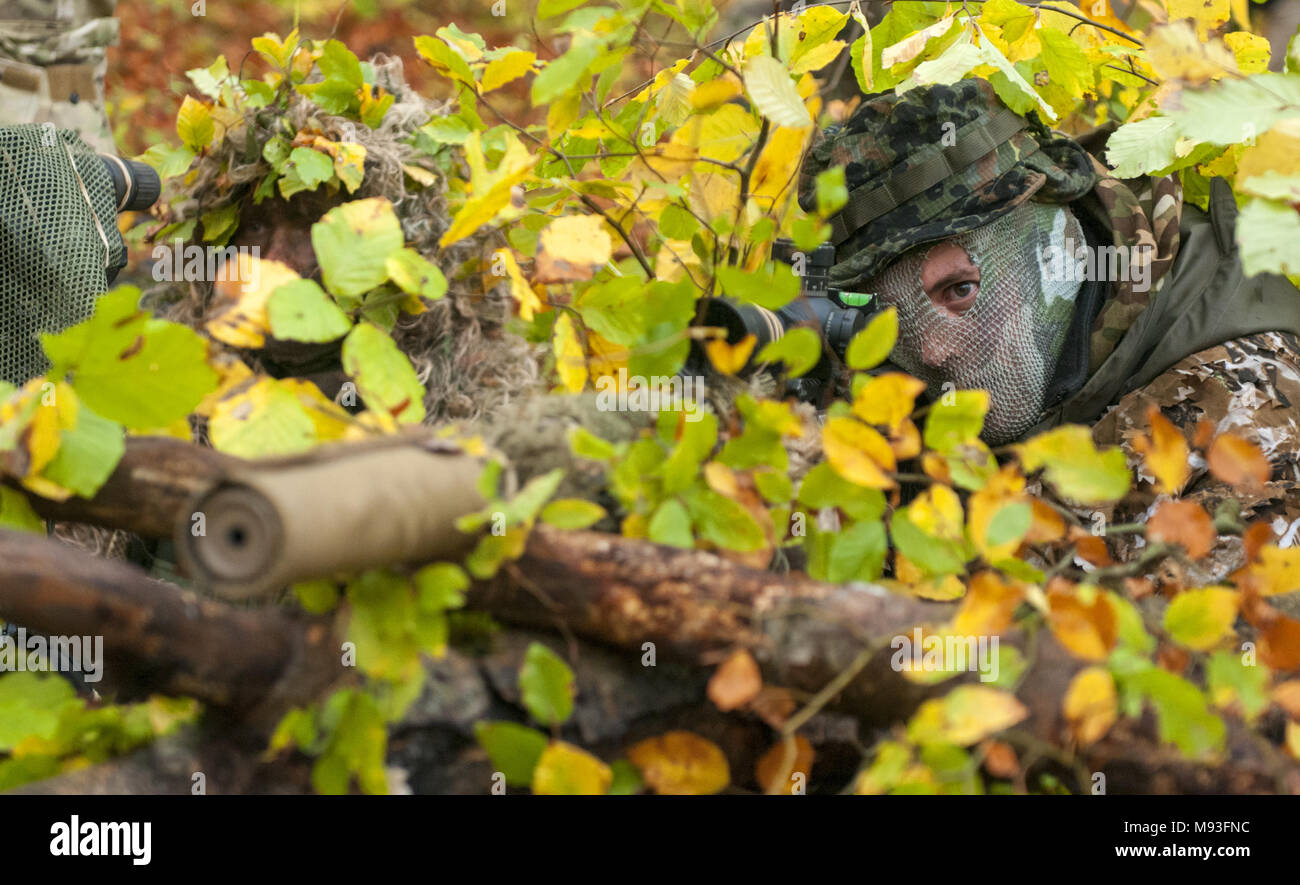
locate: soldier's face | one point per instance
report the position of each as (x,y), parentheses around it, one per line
(977,311)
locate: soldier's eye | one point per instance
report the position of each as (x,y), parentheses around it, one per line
(959,296)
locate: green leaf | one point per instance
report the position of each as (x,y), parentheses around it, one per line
(166,160)
(671,525)
(772,286)
(586,444)
(529,500)
(627,779)
(773,92)
(317,597)
(870,347)
(546,685)
(383,374)
(799,349)
(572,513)
(440,586)
(353,243)
(724,522)
(269,420)
(1267,234)
(219,224)
(355,748)
(1010,523)
(1067,65)
(131,369)
(857,553)
(562,74)
(932,555)
(1143,147)
(31,705)
(16,512)
(956,419)
(299,310)
(1075,467)
(512,749)
(1230,681)
(416,275)
(1235,110)
(87,453)
(1184,718)
(823,487)
(311,167)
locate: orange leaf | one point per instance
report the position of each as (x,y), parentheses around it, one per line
(988,606)
(1000,759)
(1092,549)
(681,763)
(1279,636)
(736,682)
(1237,461)
(1165,452)
(770,770)
(1287,696)
(1087,630)
(1184,523)
(1047,526)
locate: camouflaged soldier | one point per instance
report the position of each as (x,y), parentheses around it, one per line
(1019,265)
(52,65)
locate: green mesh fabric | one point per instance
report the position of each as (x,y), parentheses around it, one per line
(58,240)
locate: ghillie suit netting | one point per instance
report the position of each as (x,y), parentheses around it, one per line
(463,354)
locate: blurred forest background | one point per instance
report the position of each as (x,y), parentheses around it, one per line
(162,40)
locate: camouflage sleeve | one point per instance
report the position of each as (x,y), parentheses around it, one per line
(1249,386)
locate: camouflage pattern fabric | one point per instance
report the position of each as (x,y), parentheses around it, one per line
(1249,386)
(890,138)
(1144,224)
(53,62)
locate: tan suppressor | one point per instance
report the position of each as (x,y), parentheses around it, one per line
(265,528)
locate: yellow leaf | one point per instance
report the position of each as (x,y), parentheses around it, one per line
(508,67)
(239,315)
(1276,570)
(888,399)
(966,716)
(421,175)
(1250,50)
(776,171)
(1174,50)
(714,93)
(489,191)
(1208,14)
(573,247)
(332,421)
(1200,619)
(730,358)
(1004,488)
(570,361)
(520,290)
(1091,705)
(937,512)
(681,763)
(858,453)
(231,372)
(1293,738)
(819,57)
(566,770)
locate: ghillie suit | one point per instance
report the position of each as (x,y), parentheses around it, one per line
(462,353)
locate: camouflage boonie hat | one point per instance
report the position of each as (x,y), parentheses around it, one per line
(932,163)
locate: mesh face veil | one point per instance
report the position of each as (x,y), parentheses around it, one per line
(1009,338)
(58,240)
